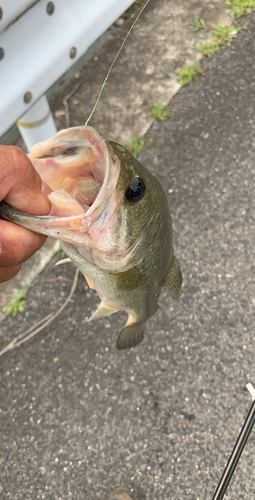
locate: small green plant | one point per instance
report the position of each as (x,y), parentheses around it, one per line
(198,24)
(241,7)
(137,145)
(17,304)
(223,35)
(63,254)
(209,48)
(160,112)
(186,75)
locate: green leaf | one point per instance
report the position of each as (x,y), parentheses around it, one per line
(16,305)
(160,112)
(137,145)
(198,24)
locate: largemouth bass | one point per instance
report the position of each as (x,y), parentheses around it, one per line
(113,218)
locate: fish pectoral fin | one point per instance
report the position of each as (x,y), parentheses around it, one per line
(102,311)
(130,336)
(173,281)
(128,280)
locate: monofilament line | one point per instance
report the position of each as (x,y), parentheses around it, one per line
(114,60)
(247,491)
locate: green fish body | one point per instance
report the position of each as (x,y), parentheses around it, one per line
(113,218)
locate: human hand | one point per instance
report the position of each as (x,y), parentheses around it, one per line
(21,187)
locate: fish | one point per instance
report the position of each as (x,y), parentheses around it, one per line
(113,219)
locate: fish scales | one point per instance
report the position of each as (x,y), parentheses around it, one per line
(114,221)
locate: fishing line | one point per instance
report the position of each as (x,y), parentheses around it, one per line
(106,78)
(114,60)
(247,491)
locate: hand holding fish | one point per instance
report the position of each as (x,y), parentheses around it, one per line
(21,186)
(113,218)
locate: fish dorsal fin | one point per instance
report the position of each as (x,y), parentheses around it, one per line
(102,311)
(173,281)
(128,280)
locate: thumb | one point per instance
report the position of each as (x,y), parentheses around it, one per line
(20,183)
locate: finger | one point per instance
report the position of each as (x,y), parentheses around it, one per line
(17,244)
(21,185)
(7,273)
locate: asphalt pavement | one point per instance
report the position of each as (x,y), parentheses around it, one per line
(78,417)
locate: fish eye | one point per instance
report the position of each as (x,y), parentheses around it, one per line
(136,190)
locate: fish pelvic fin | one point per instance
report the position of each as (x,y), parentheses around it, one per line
(173,281)
(63,261)
(89,281)
(130,336)
(102,311)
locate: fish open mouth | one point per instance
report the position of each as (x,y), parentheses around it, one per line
(79,177)
(74,168)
